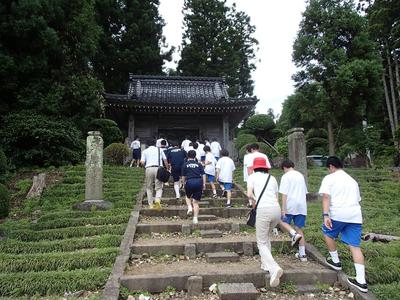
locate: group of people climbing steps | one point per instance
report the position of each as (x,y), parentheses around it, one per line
(193,164)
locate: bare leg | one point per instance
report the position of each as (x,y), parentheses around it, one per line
(229,196)
(358,257)
(330,243)
(189,203)
(196,208)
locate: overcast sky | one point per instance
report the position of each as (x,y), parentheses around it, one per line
(277,23)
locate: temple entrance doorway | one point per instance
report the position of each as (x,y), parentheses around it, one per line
(178,134)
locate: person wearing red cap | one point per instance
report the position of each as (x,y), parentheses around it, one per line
(263,188)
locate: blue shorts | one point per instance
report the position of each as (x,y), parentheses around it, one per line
(227,185)
(211,178)
(298,220)
(203,158)
(350,232)
(136,153)
(176,173)
(194,188)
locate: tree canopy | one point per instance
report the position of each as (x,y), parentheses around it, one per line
(218,41)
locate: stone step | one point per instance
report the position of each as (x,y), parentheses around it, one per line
(204,203)
(233,212)
(246,245)
(212,233)
(178,226)
(237,291)
(216,257)
(156,278)
(218,202)
(170,192)
(206,217)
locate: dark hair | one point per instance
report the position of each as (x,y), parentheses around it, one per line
(163,143)
(207,149)
(224,152)
(248,148)
(287,163)
(334,161)
(261,170)
(254,146)
(214,139)
(191,154)
(136,137)
(195,145)
(191,144)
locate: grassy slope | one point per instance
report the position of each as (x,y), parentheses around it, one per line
(380,193)
(65,250)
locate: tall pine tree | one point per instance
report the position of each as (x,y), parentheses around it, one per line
(218,41)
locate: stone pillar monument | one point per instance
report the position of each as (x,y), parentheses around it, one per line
(94,174)
(297,150)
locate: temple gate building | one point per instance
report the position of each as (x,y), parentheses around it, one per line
(178,106)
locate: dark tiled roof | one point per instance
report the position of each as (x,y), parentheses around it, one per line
(178,90)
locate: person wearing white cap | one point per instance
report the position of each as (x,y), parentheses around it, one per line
(262,190)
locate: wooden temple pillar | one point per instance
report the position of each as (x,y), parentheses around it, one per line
(225,132)
(131,127)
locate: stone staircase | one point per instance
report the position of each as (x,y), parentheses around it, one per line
(169,251)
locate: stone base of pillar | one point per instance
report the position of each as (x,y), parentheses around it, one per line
(89,205)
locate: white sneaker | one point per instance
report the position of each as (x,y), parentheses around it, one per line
(195,221)
(296,239)
(189,212)
(275,276)
(302,258)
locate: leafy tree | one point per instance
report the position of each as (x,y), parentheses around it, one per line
(333,49)
(45,53)
(131,41)
(262,126)
(218,41)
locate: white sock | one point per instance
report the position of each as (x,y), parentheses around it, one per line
(334,256)
(228,201)
(214,192)
(176,188)
(360,273)
(302,250)
(292,232)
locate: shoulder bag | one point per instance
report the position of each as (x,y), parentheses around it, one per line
(251,218)
(162,173)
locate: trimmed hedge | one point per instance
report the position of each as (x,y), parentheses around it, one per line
(52,282)
(58,261)
(65,233)
(116,153)
(64,223)
(67,245)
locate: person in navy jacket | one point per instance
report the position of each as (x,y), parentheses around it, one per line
(195,182)
(176,157)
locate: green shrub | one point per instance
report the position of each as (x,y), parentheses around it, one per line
(282,145)
(64,233)
(67,245)
(58,261)
(109,130)
(4,201)
(116,153)
(53,282)
(32,139)
(259,123)
(244,139)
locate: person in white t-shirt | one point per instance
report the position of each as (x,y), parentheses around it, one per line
(195,146)
(263,187)
(209,169)
(245,163)
(294,206)
(185,144)
(207,142)
(342,215)
(152,158)
(224,169)
(158,143)
(202,152)
(136,152)
(215,148)
(255,152)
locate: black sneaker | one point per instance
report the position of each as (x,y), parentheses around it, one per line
(362,287)
(335,266)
